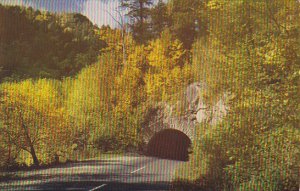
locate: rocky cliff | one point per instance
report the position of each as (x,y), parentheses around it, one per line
(194,110)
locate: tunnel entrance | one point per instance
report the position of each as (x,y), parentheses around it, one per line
(169,144)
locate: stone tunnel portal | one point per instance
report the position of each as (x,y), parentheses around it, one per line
(170,144)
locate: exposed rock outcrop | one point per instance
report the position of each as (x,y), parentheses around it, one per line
(195,110)
(200,109)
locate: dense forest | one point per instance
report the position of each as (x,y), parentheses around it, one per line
(38,44)
(71,87)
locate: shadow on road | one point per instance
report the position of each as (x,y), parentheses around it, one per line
(88,182)
(122,173)
(109,186)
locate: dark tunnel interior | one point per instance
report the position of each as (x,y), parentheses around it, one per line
(169,144)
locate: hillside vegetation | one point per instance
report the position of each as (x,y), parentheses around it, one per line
(247,49)
(36,44)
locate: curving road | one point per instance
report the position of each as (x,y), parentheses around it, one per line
(99,174)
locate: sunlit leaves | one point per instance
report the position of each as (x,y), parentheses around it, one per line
(33,118)
(253,51)
(168,68)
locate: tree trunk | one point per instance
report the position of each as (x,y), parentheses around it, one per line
(141,14)
(9,154)
(34,157)
(28,139)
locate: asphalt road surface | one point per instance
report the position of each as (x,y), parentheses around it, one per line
(111,173)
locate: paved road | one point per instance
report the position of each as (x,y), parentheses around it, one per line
(113,173)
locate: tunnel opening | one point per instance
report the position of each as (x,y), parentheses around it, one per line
(169,144)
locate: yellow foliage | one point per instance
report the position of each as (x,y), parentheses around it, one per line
(33,116)
(169,70)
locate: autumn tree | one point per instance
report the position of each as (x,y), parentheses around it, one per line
(266,96)
(253,47)
(9,151)
(169,70)
(33,119)
(89,99)
(130,96)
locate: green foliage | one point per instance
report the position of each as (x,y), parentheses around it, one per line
(100,100)
(107,101)
(89,97)
(39,44)
(139,13)
(159,18)
(248,49)
(188,20)
(205,171)
(255,57)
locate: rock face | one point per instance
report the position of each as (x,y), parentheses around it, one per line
(202,111)
(195,111)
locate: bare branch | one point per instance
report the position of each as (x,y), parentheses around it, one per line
(114,18)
